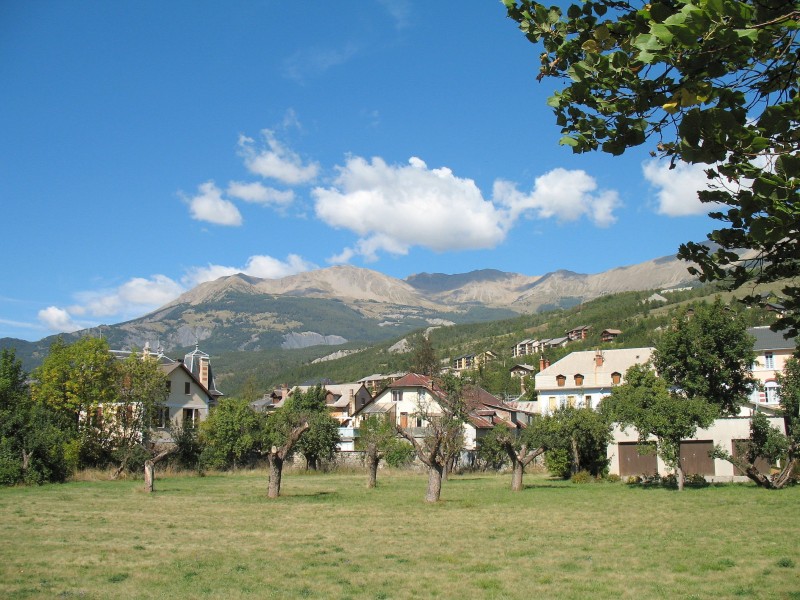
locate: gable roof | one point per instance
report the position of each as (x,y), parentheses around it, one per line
(766,339)
(584,363)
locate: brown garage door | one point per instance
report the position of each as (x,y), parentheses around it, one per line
(740,447)
(633,463)
(695,459)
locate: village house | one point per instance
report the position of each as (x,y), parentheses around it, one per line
(578,333)
(191,389)
(585,378)
(609,335)
(408,401)
(772,351)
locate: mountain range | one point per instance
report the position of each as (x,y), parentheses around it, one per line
(345,304)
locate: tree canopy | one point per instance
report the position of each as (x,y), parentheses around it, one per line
(709,82)
(707,354)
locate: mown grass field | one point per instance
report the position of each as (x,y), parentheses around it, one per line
(329,537)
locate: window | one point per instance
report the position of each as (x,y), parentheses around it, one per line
(769,360)
(169,386)
(616,378)
(571,401)
(187,388)
(419,421)
(397,395)
(552,403)
(588,400)
(772,392)
(162,417)
(562,402)
(191,416)
(561,380)
(578,379)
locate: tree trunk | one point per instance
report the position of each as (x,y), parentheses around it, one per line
(435,472)
(680,476)
(275,472)
(516,477)
(149,476)
(781,479)
(372,470)
(576,457)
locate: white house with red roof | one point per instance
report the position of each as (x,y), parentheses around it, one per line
(411,398)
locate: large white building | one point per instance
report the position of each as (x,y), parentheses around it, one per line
(585,378)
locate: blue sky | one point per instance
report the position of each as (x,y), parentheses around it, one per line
(149,146)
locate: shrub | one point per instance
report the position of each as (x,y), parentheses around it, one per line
(582,477)
(399,454)
(633,480)
(558,462)
(613,478)
(696,480)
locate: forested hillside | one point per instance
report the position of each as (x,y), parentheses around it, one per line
(253,373)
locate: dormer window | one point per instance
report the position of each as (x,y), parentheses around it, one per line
(616,378)
(561,380)
(578,379)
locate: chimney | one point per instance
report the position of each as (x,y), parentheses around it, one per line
(598,358)
(542,363)
(284,390)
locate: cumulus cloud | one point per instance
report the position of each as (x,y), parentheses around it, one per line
(209,205)
(58,320)
(135,296)
(561,194)
(276,161)
(258,193)
(395,207)
(676,189)
(265,267)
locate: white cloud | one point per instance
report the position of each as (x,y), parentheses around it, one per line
(563,194)
(399,10)
(276,161)
(258,193)
(393,207)
(136,296)
(58,320)
(677,188)
(209,205)
(265,267)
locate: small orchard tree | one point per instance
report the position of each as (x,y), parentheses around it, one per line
(231,435)
(646,403)
(522,447)
(322,438)
(376,435)
(282,430)
(576,440)
(142,393)
(767,442)
(444,431)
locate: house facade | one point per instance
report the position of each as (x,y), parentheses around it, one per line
(409,400)
(585,378)
(772,352)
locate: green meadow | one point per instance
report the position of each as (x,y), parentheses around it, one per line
(218,536)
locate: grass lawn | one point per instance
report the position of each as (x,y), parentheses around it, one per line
(329,537)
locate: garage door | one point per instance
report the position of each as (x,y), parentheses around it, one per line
(695,459)
(633,463)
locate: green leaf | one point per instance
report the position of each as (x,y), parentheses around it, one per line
(568,141)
